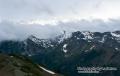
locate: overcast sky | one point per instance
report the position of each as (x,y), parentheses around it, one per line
(26,10)
(20,18)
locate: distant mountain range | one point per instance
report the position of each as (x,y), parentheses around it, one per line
(64,53)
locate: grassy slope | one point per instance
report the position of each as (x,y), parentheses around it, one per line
(20,66)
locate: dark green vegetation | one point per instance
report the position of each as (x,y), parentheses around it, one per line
(86,49)
(14,65)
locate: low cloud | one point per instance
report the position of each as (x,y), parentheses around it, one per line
(11,30)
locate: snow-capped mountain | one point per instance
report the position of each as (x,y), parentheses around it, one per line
(65,52)
(76,38)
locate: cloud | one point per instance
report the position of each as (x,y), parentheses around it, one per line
(25,10)
(69,15)
(10,30)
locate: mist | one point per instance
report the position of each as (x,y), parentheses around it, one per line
(11,30)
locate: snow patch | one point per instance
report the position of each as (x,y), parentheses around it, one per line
(103,40)
(78,38)
(116,49)
(43,42)
(51,72)
(87,35)
(64,36)
(64,48)
(92,47)
(115,35)
(29,55)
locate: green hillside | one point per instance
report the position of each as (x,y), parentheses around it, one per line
(20,66)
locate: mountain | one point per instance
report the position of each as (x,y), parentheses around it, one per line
(13,65)
(64,53)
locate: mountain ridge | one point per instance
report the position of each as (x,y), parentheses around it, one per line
(64,54)
(14,65)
